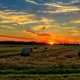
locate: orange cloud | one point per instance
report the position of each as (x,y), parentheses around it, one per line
(52,37)
(13,38)
(49,38)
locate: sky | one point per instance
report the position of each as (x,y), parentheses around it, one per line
(56,21)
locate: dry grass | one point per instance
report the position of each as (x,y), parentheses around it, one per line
(41,55)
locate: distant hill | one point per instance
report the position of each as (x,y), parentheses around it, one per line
(21,42)
(28,43)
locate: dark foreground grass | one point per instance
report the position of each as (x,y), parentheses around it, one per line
(36,67)
(40,77)
(40,69)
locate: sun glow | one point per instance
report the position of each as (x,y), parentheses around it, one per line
(51,42)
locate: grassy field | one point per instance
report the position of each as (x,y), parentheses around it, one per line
(57,62)
(41,77)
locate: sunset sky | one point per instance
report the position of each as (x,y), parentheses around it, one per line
(56,21)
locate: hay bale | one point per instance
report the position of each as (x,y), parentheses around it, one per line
(26,51)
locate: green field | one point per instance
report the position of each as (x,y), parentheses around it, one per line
(57,62)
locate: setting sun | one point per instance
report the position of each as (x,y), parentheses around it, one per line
(51,42)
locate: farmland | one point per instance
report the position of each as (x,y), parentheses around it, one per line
(45,62)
